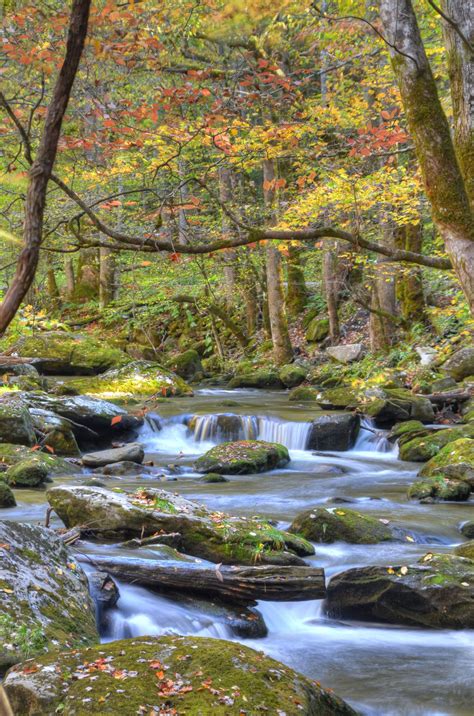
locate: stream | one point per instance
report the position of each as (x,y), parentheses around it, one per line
(379,669)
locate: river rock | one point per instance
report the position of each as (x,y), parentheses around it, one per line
(243,457)
(439,487)
(213,477)
(292,375)
(338,398)
(7,498)
(54,431)
(104,593)
(167,674)
(467,529)
(437,591)
(44,596)
(459,452)
(390,405)
(61,353)
(15,422)
(14,454)
(346,353)
(211,535)
(423,447)
(334,432)
(303,393)
(27,473)
(334,525)
(428,355)
(132,452)
(258,378)
(126,467)
(461,364)
(135,381)
(187,365)
(465,550)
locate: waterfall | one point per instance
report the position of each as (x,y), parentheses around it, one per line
(371,439)
(291,434)
(227,426)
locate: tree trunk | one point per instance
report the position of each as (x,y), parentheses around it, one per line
(410,278)
(282,349)
(228,257)
(42,167)
(106,277)
(461,75)
(296,293)
(87,279)
(428,125)
(70,278)
(53,290)
(383,305)
(331,288)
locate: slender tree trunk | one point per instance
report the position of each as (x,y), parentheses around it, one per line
(410,278)
(53,290)
(383,304)
(461,75)
(106,277)
(42,166)
(228,257)
(428,125)
(331,288)
(282,349)
(296,293)
(70,278)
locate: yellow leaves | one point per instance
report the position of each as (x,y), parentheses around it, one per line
(409,538)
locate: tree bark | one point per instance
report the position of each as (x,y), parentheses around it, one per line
(428,125)
(42,166)
(282,348)
(331,288)
(382,329)
(238,584)
(70,278)
(53,290)
(106,277)
(410,278)
(228,257)
(296,293)
(461,75)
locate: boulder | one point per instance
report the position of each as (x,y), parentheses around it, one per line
(171,675)
(7,498)
(15,421)
(27,473)
(428,355)
(465,550)
(439,487)
(317,330)
(303,393)
(258,378)
(44,596)
(14,454)
(467,529)
(390,405)
(135,381)
(437,591)
(334,432)
(292,375)
(458,452)
(461,364)
(338,398)
(104,593)
(187,365)
(132,452)
(424,447)
(334,525)
(213,477)
(210,535)
(61,353)
(441,385)
(346,353)
(243,457)
(54,431)
(408,429)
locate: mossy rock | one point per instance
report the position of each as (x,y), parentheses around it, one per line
(303,393)
(337,431)
(439,488)
(7,498)
(465,550)
(15,421)
(44,595)
(338,398)
(423,448)
(292,375)
(27,473)
(460,364)
(258,378)
(15,454)
(317,330)
(62,353)
(243,457)
(436,592)
(213,477)
(187,365)
(114,514)
(454,453)
(467,529)
(407,428)
(56,432)
(169,674)
(388,406)
(322,525)
(137,380)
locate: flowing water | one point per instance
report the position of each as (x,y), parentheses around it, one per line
(380,669)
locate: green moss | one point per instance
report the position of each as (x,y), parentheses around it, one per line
(13,454)
(454,453)
(439,488)
(321,525)
(243,457)
(424,447)
(303,393)
(465,550)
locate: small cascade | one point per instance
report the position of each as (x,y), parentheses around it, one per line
(372,439)
(227,426)
(291,434)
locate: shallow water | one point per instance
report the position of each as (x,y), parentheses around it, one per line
(379,669)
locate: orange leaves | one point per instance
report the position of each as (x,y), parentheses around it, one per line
(274,184)
(116,419)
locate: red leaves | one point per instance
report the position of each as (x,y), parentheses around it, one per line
(116,419)
(174,257)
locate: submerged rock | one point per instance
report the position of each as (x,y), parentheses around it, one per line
(167,674)
(132,452)
(7,498)
(334,432)
(341,524)
(61,353)
(210,535)
(243,457)
(438,591)
(44,596)
(213,477)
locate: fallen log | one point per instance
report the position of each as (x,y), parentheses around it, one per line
(240,584)
(453,396)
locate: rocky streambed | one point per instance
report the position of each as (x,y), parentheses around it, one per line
(185,533)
